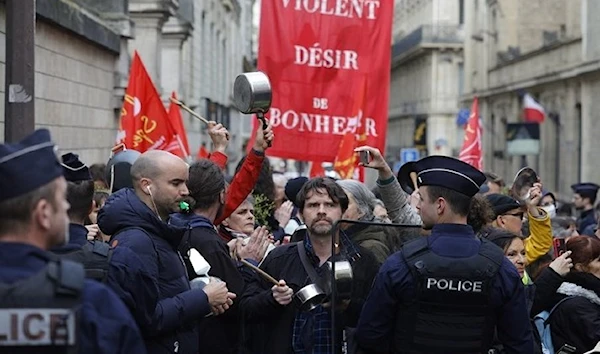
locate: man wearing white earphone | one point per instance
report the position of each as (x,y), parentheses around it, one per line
(138,219)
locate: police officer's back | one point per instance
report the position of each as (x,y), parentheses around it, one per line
(46,305)
(445,293)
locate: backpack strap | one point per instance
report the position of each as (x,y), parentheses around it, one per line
(547,320)
(68,276)
(413,250)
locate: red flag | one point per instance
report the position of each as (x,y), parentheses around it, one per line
(179,144)
(471,151)
(316,170)
(202,153)
(345,160)
(316,58)
(144,121)
(533,112)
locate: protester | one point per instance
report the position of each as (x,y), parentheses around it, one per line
(396,201)
(509,214)
(218,334)
(379,240)
(380,212)
(33,219)
(119,268)
(494,183)
(279,326)
(548,203)
(137,219)
(576,320)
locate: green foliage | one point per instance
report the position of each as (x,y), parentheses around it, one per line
(263,208)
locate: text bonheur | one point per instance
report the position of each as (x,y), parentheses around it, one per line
(320,123)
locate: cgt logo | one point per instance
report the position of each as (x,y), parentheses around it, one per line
(454,285)
(36,327)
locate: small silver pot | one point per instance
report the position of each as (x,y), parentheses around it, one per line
(343,279)
(309,297)
(252,93)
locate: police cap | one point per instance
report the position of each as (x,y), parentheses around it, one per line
(73,169)
(442,171)
(28,165)
(586,190)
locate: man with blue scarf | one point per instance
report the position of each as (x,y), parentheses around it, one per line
(278,324)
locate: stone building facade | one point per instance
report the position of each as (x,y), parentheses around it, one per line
(551,50)
(74,78)
(427,61)
(194,47)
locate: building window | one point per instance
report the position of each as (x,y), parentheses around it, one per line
(461,78)
(461,12)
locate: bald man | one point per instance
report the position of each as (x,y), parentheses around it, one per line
(138,219)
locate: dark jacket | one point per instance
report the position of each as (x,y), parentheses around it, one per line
(105,324)
(395,286)
(132,224)
(577,321)
(218,334)
(586,219)
(127,276)
(381,240)
(545,296)
(271,323)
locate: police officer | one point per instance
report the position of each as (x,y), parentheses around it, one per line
(584,197)
(445,293)
(46,305)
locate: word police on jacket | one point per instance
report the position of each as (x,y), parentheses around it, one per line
(36,327)
(467,286)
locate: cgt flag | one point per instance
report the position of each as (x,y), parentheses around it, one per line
(471,151)
(179,144)
(317,54)
(144,121)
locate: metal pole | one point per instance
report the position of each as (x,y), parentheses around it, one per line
(19,113)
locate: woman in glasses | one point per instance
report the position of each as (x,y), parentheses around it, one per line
(509,215)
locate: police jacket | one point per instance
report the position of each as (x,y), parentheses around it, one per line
(575,321)
(270,324)
(218,334)
(105,324)
(395,288)
(172,326)
(126,275)
(585,220)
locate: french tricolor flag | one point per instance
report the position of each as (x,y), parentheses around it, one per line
(533,112)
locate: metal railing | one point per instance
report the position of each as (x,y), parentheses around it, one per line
(428,34)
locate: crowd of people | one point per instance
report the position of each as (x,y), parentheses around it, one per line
(150,254)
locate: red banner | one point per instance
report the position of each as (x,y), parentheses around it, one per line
(471,151)
(144,120)
(323,57)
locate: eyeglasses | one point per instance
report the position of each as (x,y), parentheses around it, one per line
(518,215)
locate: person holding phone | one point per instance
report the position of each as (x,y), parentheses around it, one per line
(576,321)
(513,247)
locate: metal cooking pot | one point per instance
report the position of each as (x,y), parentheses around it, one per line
(343,279)
(309,297)
(252,93)
(524,181)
